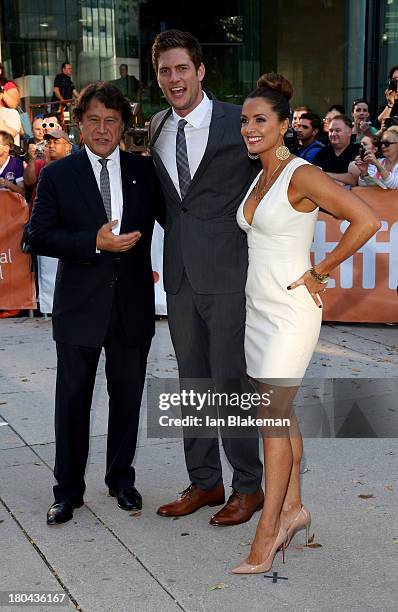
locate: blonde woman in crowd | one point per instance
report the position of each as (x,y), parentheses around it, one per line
(383,170)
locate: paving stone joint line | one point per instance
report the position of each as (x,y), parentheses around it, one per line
(42,556)
(339,329)
(145,568)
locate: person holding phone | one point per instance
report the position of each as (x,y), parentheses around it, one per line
(381,171)
(391,93)
(370,144)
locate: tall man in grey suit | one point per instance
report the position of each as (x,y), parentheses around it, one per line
(204,171)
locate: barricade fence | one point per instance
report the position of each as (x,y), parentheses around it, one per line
(17,285)
(362,289)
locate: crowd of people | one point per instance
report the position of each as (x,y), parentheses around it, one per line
(351,150)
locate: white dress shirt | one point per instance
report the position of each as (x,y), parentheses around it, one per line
(196,136)
(115,180)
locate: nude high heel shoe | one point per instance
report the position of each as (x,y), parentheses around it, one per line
(301,520)
(247,568)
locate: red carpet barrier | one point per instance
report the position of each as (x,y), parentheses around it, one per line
(17,287)
(363,288)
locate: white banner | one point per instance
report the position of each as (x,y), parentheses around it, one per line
(47,270)
(157,267)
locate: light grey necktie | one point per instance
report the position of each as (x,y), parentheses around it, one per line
(184,174)
(105,188)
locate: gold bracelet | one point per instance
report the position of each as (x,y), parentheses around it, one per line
(321,278)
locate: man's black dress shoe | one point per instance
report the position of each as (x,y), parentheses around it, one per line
(128,498)
(62,511)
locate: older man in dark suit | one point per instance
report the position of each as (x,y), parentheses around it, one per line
(205,171)
(95,211)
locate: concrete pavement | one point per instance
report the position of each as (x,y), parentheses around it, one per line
(107,559)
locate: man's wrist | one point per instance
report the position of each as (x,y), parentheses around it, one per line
(97,244)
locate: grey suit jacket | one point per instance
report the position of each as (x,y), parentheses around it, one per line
(201,232)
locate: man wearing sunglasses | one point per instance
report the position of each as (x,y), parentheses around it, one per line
(53,121)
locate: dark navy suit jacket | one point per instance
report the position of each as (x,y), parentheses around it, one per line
(67,214)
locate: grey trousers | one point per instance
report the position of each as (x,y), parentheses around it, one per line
(207,332)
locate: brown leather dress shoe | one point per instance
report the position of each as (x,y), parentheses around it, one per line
(192,499)
(239,508)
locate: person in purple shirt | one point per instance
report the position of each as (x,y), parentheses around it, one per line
(11,168)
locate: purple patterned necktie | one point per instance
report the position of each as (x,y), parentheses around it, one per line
(184,174)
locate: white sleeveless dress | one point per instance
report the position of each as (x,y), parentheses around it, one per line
(282,326)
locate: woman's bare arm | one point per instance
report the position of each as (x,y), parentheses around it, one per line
(310,186)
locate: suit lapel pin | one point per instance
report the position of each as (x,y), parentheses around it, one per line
(134,181)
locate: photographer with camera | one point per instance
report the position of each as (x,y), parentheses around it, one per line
(35,162)
(369,144)
(37,138)
(11,168)
(57,146)
(381,171)
(391,93)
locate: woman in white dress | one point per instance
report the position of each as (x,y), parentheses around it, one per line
(284,310)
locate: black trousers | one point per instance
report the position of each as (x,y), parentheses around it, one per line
(125,373)
(207,332)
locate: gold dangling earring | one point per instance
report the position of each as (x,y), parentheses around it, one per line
(282,152)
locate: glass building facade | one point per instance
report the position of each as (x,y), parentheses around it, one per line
(333,51)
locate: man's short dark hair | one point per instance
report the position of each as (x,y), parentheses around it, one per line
(108,94)
(7,139)
(344,119)
(359,101)
(315,120)
(338,107)
(124,66)
(65,64)
(53,114)
(174,39)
